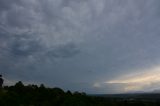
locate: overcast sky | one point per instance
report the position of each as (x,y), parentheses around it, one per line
(94,46)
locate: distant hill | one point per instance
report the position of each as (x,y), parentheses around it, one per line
(156,91)
(33,95)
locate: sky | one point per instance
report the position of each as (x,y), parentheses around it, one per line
(94,46)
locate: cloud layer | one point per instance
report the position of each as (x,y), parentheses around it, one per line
(76,44)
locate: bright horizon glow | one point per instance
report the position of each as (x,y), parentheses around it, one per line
(138,81)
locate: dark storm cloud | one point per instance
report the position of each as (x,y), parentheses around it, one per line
(76,44)
(67,50)
(7,4)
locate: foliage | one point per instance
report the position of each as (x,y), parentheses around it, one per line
(33,95)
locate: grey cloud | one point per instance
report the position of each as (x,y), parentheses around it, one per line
(22,48)
(7,4)
(67,50)
(63,40)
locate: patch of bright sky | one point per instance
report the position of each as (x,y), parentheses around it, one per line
(138,81)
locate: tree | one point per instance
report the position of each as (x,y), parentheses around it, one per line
(1,81)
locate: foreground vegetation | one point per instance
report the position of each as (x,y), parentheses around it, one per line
(33,95)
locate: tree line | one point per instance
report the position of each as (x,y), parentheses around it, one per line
(33,95)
